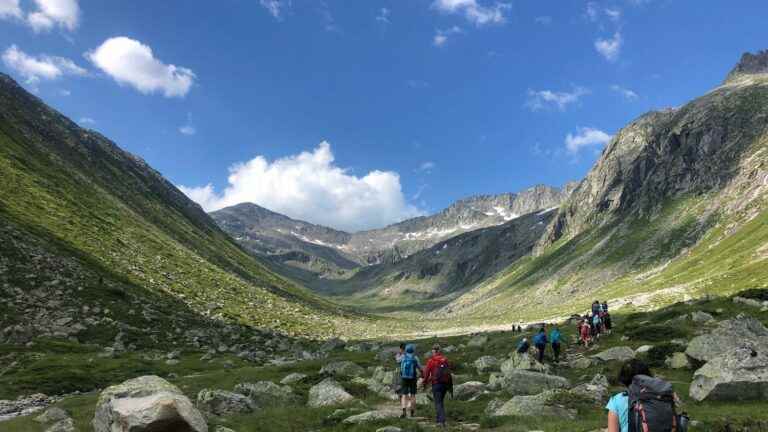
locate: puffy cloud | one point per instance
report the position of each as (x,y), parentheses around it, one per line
(310,187)
(473,11)
(441,36)
(36,68)
(275,7)
(426,167)
(613,14)
(541,99)
(86,121)
(610,48)
(585,137)
(383,16)
(624,92)
(10,9)
(50,13)
(130,62)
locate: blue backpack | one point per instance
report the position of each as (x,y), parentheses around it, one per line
(408,366)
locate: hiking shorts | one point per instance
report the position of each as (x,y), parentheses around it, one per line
(409,386)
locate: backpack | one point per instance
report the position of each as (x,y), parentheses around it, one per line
(651,405)
(408,366)
(443,375)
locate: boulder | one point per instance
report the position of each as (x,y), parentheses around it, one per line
(65,425)
(52,415)
(146,403)
(727,337)
(621,353)
(292,378)
(521,382)
(332,344)
(343,368)
(581,363)
(740,374)
(748,301)
(643,349)
(469,390)
(540,405)
(677,360)
(519,361)
(595,390)
(389,429)
(701,317)
(478,341)
(328,393)
(223,429)
(267,394)
(486,364)
(372,416)
(387,354)
(222,403)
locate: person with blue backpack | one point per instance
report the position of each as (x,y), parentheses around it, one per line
(410,369)
(540,342)
(554,339)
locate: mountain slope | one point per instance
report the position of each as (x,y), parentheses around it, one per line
(86,202)
(675,206)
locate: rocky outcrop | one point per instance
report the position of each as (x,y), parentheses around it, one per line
(486,364)
(621,353)
(728,336)
(343,368)
(328,393)
(267,394)
(749,64)
(738,374)
(144,404)
(469,390)
(522,382)
(533,406)
(222,403)
(519,361)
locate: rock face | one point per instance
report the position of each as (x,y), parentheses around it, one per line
(521,382)
(221,403)
(267,394)
(147,403)
(739,374)
(616,354)
(328,393)
(728,336)
(749,64)
(343,368)
(536,405)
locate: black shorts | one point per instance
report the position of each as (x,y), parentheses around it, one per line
(409,386)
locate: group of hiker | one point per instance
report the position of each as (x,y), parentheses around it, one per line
(540,342)
(595,323)
(436,374)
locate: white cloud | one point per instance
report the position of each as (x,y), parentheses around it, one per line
(130,62)
(610,48)
(275,7)
(36,68)
(310,187)
(64,92)
(50,13)
(426,167)
(538,100)
(544,20)
(10,9)
(473,11)
(383,16)
(585,137)
(188,128)
(613,14)
(86,121)
(417,84)
(624,92)
(441,36)
(592,13)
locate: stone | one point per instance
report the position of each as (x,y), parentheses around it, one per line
(519,361)
(469,390)
(748,302)
(223,429)
(701,317)
(677,360)
(727,337)
(493,406)
(581,363)
(621,353)
(478,341)
(387,354)
(267,394)
(540,405)
(486,364)
(370,416)
(52,415)
(65,425)
(146,403)
(740,374)
(332,344)
(222,403)
(389,429)
(328,393)
(343,368)
(643,349)
(521,382)
(292,378)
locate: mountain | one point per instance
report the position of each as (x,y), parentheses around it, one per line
(332,254)
(95,243)
(675,207)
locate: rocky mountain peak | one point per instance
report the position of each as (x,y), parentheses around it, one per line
(750,64)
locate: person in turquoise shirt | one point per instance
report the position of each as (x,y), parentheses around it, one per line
(554,339)
(618,405)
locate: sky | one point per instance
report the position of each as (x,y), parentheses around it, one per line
(357,114)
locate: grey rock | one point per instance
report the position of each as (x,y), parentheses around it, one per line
(389,429)
(332,344)
(343,368)
(677,360)
(478,341)
(701,317)
(223,403)
(267,394)
(328,393)
(643,349)
(581,363)
(535,405)
(370,416)
(521,382)
(469,390)
(728,336)
(486,364)
(52,415)
(519,361)
(65,425)
(292,378)
(145,403)
(621,353)
(739,374)
(223,429)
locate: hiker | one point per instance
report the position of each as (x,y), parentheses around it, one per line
(605,306)
(596,325)
(409,368)
(595,307)
(438,374)
(584,333)
(607,323)
(540,342)
(554,339)
(397,380)
(647,405)
(523,346)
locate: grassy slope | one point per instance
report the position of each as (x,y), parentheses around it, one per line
(193,375)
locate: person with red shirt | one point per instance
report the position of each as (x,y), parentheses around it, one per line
(438,374)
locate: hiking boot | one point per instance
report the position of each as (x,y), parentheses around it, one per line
(403,414)
(413,413)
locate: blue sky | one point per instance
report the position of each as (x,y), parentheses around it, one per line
(417,103)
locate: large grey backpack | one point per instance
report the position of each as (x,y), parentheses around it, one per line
(651,405)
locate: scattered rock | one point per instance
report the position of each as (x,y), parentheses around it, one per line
(521,382)
(478,341)
(52,415)
(372,416)
(328,393)
(748,302)
(222,403)
(486,364)
(223,429)
(701,317)
(537,405)
(343,368)
(389,429)
(519,361)
(65,425)
(332,344)
(622,353)
(292,378)
(146,403)
(727,337)
(581,363)
(468,391)
(740,374)
(267,394)
(387,353)
(677,360)
(643,349)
